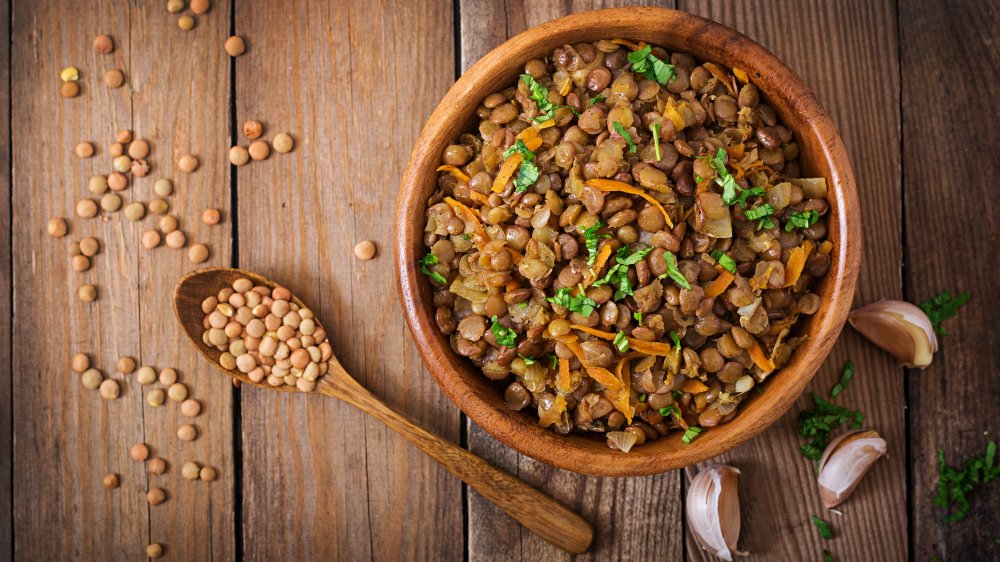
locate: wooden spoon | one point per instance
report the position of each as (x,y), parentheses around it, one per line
(541,514)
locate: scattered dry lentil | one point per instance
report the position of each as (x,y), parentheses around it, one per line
(177,392)
(156,496)
(238,156)
(87,293)
(168,224)
(211,217)
(89,246)
(91,379)
(74,249)
(138,149)
(80,362)
(122,163)
(190,408)
(175,6)
(156,466)
(190,470)
(103,45)
(69,89)
(80,263)
(198,253)
(365,250)
(188,163)
(159,207)
(135,211)
(186,23)
(259,150)
(139,452)
(114,78)
(97,184)
(116,149)
(154,550)
(163,187)
(150,239)
(109,389)
(145,375)
(168,376)
(86,208)
(155,397)
(176,239)
(140,168)
(208,474)
(187,432)
(125,365)
(123,136)
(235,46)
(57,227)
(84,149)
(199,6)
(111,202)
(110,481)
(283,143)
(253,129)
(117,181)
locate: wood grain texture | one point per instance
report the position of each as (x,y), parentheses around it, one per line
(67,438)
(340,78)
(611,505)
(180,103)
(952,231)
(819,40)
(6,290)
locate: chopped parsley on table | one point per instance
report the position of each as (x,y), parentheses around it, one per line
(762,215)
(591,238)
(580,304)
(504,335)
(649,65)
(954,485)
(673,273)
(823,526)
(628,138)
(801,219)
(818,423)
(617,275)
(845,379)
(942,307)
(724,260)
(425,263)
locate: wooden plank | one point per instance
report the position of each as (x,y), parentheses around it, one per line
(352,82)
(66,438)
(846,52)
(950,168)
(180,103)
(611,505)
(6,290)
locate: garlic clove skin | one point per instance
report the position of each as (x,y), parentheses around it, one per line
(845,461)
(900,328)
(713,510)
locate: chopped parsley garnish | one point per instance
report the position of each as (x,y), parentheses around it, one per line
(621,342)
(618,274)
(649,65)
(425,263)
(748,193)
(621,131)
(540,94)
(801,219)
(731,192)
(676,339)
(820,421)
(553,362)
(954,486)
(674,273)
(655,128)
(691,434)
(591,238)
(638,317)
(520,148)
(527,175)
(642,398)
(504,335)
(724,260)
(467,236)
(670,410)
(528,361)
(942,307)
(762,215)
(698,179)
(597,99)
(845,378)
(823,526)
(580,304)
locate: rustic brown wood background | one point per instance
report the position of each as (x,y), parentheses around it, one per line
(912,86)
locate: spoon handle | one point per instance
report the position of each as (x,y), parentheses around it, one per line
(540,513)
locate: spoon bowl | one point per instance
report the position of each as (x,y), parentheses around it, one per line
(543,515)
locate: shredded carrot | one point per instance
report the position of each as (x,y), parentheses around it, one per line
(602,258)
(614,185)
(627,43)
(564,380)
(605,377)
(736,151)
(506,172)
(741,75)
(646,347)
(694,386)
(622,371)
(515,256)
(797,262)
(720,284)
(826,247)
(479,197)
(454,171)
(533,143)
(759,359)
(545,124)
(760,281)
(511,286)
(470,216)
(671,112)
(722,76)
(528,133)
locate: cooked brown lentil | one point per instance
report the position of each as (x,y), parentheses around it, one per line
(626,248)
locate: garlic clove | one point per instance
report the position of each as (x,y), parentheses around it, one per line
(845,461)
(713,510)
(900,328)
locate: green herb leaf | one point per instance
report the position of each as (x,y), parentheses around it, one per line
(747,193)
(762,215)
(425,263)
(731,192)
(655,128)
(816,424)
(670,410)
(618,273)
(845,378)
(519,147)
(954,486)
(621,131)
(467,236)
(504,335)
(673,273)
(691,434)
(581,304)
(638,317)
(527,175)
(650,66)
(621,342)
(942,307)
(801,219)
(592,239)
(823,526)
(527,360)
(642,398)
(597,99)
(827,557)
(540,94)
(724,260)
(553,362)
(676,339)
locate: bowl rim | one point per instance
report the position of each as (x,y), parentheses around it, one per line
(710,41)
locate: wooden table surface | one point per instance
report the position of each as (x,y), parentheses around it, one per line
(912,86)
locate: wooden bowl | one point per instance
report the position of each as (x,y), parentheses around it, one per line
(822,153)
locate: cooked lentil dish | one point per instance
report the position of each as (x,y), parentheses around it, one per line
(626,241)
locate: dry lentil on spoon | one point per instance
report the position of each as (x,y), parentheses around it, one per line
(623,238)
